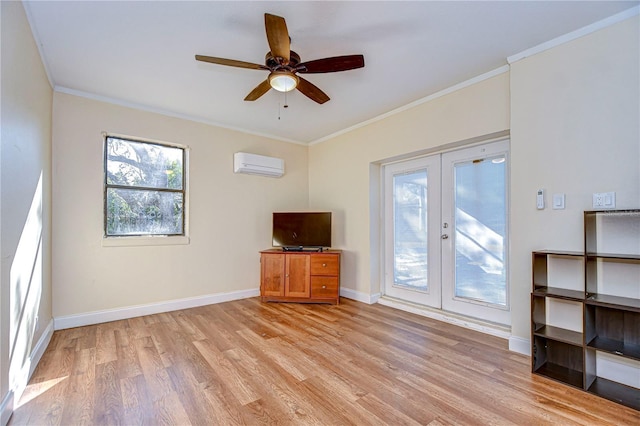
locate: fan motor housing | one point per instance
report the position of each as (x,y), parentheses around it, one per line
(271,63)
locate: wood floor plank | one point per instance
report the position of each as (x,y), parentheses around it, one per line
(108,407)
(262,412)
(138,406)
(241,389)
(168,410)
(127,356)
(330,396)
(106,349)
(79,400)
(156,377)
(248,363)
(279,393)
(387,414)
(224,411)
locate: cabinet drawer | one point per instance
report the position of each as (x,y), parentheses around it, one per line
(324,286)
(326,264)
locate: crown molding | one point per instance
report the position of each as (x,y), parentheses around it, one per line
(501,70)
(36,39)
(596,26)
(147,108)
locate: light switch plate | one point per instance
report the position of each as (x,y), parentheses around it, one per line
(558,201)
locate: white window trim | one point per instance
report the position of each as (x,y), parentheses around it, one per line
(153,240)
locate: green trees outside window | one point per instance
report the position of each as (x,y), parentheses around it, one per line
(144,188)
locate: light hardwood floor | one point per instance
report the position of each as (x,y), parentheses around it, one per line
(245,362)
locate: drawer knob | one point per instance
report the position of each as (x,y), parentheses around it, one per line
(324,265)
(324,286)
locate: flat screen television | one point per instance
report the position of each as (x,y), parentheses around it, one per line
(300,230)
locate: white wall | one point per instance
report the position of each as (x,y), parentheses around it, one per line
(344,176)
(573,113)
(575,129)
(229,218)
(25,203)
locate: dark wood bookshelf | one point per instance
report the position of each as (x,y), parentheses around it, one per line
(616,392)
(560,334)
(616,302)
(561,374)
(616,347)
(559,293)
(610,323)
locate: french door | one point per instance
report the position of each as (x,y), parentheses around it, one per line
(412,230)
(446,231)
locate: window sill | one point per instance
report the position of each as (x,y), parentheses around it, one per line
(144,241)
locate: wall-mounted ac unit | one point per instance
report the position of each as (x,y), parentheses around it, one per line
(255,164)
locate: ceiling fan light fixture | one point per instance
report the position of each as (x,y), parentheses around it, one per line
(283,81)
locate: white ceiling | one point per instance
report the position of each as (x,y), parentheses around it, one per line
(142,53)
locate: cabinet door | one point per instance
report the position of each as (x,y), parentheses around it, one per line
(272,274)
(297,282)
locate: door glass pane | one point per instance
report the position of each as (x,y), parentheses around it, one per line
(480,230)
(410,230)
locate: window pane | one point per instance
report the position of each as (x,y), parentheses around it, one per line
(410,230)
(143,164)
(140,212)
(480,226)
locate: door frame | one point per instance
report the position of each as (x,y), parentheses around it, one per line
(383,214)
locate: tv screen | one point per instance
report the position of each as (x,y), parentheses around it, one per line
(302,229)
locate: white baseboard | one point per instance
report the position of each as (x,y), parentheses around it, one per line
(369,299)
(520,345)
(98,317)
(6,408)
(39,348)
(487,328)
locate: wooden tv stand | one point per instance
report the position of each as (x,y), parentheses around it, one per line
(300,276)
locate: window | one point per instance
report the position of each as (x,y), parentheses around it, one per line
(144,188)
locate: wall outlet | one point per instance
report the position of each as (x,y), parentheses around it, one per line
(604,200)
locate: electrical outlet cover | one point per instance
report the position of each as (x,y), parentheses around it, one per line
(604,200)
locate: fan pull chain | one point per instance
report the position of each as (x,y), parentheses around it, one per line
(286,105)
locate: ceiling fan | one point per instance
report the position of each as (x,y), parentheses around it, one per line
(284,64)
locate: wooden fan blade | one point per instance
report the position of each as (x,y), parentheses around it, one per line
(311,91)
(230,62)
(260,90)
(278,37)
(335,64)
